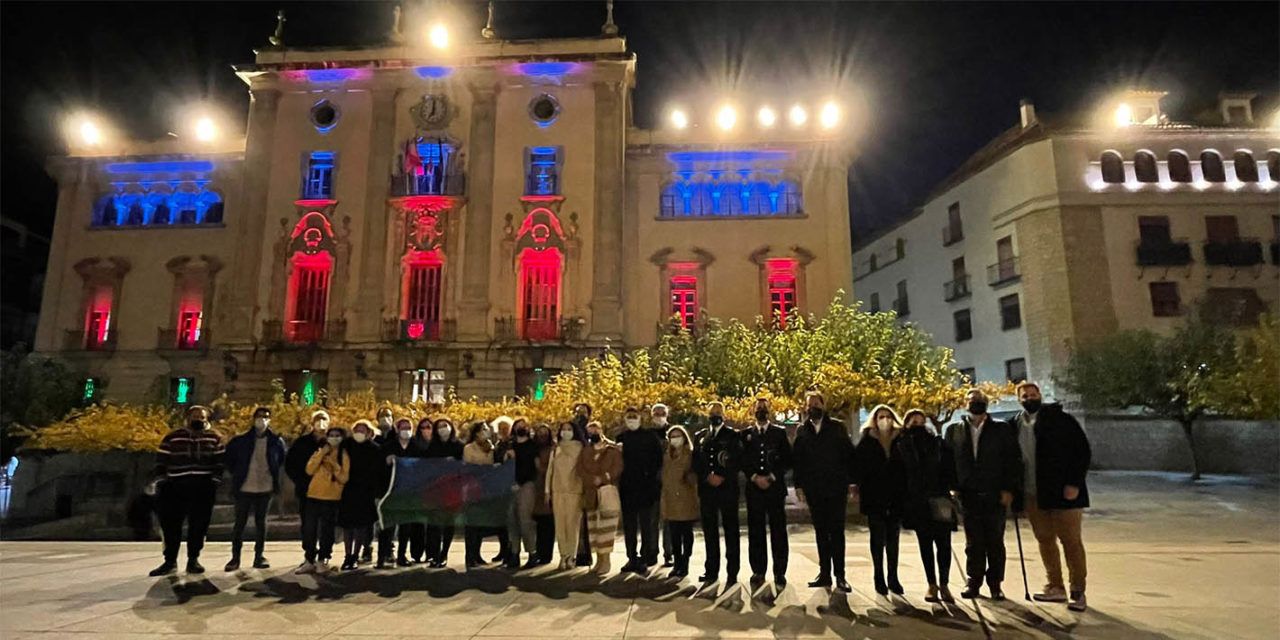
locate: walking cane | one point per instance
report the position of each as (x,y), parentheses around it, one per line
(1017,531)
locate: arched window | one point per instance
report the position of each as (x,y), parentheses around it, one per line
(539,291)
(104,212)
(1273,164)
(1246,168)
(421,295)
(1144,166)
(1211,166)
(1179,167)
(1112,167)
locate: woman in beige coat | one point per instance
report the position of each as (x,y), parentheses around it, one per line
(564,490)
(599,466)
(680,507)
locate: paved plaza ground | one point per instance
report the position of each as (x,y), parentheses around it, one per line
(1166,560)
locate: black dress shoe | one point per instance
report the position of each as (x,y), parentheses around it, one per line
(842,585)
(261,563)
(667,563)
(820,582)
(403,562)
(232,565)
(382,564)
(997,594)
(707,578)
(780,582)
(532,563)
(163,570)
(756,581)
(970,592)
(498,558)
(896,587)
(194,566)
(437,564)
(881,587)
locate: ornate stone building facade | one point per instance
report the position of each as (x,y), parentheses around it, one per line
(410,221)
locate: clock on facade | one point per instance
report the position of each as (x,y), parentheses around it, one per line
(432,111)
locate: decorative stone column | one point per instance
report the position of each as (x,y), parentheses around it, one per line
(473,316)
(236,319)
(606,285)
(373,240)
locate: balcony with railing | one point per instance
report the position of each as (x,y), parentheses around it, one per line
(956,288)
(172,339)
(951,235)
(301,333)
(413,331)
(1003,272)
(564,329)
(78,340)
(451,183)
(1242,252)
(1163,253)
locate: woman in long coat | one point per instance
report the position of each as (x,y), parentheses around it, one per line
(564,490)
(366,483)
(600,466)
(928,477)
(679,507)
(878,478)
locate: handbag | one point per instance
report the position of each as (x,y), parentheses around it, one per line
(942,509)
(608,502)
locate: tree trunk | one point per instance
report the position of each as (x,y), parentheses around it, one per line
(1187,430)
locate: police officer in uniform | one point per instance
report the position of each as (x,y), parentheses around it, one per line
(717,459)
(766,459)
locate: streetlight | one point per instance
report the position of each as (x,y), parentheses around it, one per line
(679,119)
(766,117)
(829,117)
(438,36)
(90,134)
(1124,115)
(798,116)
(726,117)
(205,130)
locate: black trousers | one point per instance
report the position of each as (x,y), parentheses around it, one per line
(257,503)
(319,522)
(546,536)
(767,509)
(438,541)
(983,538)
(937,537)
(386,543)
(476,535)
(639,522)
(827,509)
(681,536)
(719,507)
(885,532)
(188,500)
(411,539)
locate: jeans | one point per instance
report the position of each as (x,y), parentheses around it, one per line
(639,522)
(319,521)
(767,509)
(246,502)
(930,537)
(983,538)
(885,531)
(1050,526)
(189,500)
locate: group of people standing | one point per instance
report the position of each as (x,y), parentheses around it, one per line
(574,487)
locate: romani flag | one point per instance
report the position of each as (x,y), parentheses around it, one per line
(447,492)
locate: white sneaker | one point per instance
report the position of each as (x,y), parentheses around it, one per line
(305,568)
(322,566)
(1077,602)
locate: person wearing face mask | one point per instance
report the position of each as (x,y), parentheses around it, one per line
(401,442)
(253,459)
(582,413)
(479,450)
(599,467)
(640,488)
(366,482)
(679,507)
(717,459)
(330,469)
(543,516)
(988,474)
(878,477)
(295,463)
(444,444)
(1056,455)
(766,459)
(564,490)
(658,415)
(521,528)
(384,424)
(189,466)
(928,476)
(823,459)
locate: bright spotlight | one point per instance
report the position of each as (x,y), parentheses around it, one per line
(90,133)
(798,116)
(679,119)
(726,117)
(438,36)
(766,117)
(829,116)
(1123,115)
(205,130)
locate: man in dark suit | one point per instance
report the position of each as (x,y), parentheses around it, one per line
(717,459)
(988,474)
(823,459)
(766,459)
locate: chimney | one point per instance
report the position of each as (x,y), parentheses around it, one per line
(1027,109)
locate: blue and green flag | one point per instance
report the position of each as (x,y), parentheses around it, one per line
(447,492)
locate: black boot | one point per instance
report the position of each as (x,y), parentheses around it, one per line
(233,564)
(260,562)
(164,569)
(194,566)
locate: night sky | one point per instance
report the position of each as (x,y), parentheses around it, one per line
(938,80)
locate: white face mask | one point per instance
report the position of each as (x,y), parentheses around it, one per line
(261,424)
(566,435)
(384,421)
(884,422)
(661,421)
(405,434)
(335,441)
(633,423)
(360,436)
(677,441)
(321,426)
(444,432)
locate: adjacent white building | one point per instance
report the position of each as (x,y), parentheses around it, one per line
(1058,233)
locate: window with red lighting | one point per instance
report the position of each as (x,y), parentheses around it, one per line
(782,290)
(189,326)
(423,288)
(97,327)
(540,294)
(684,301)
(308,297)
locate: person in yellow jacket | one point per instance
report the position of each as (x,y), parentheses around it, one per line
(329,468)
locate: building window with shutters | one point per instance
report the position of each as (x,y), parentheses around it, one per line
(423,385)
(308,298)
(539,291)
(421,296)
(684,301)
(781,274)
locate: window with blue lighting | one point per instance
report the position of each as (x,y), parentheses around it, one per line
(542,172)
(317,183)
(719,193)
(157,203)
(428,167)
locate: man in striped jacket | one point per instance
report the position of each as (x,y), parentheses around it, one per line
(188,470)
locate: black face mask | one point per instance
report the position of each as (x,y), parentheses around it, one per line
(762,415)
(815,413)
(977,407)
(716,420)
(198,425)
(1032,406)
(593,438)
(580,420)
(522,432)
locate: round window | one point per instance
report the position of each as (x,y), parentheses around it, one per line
(324,115)
(544,109)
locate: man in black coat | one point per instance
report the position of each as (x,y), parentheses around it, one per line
(766,460)
(988,474)
(295,460)
(823,459)
(717,459)
(640,487)
(1055,455)
(254,459)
